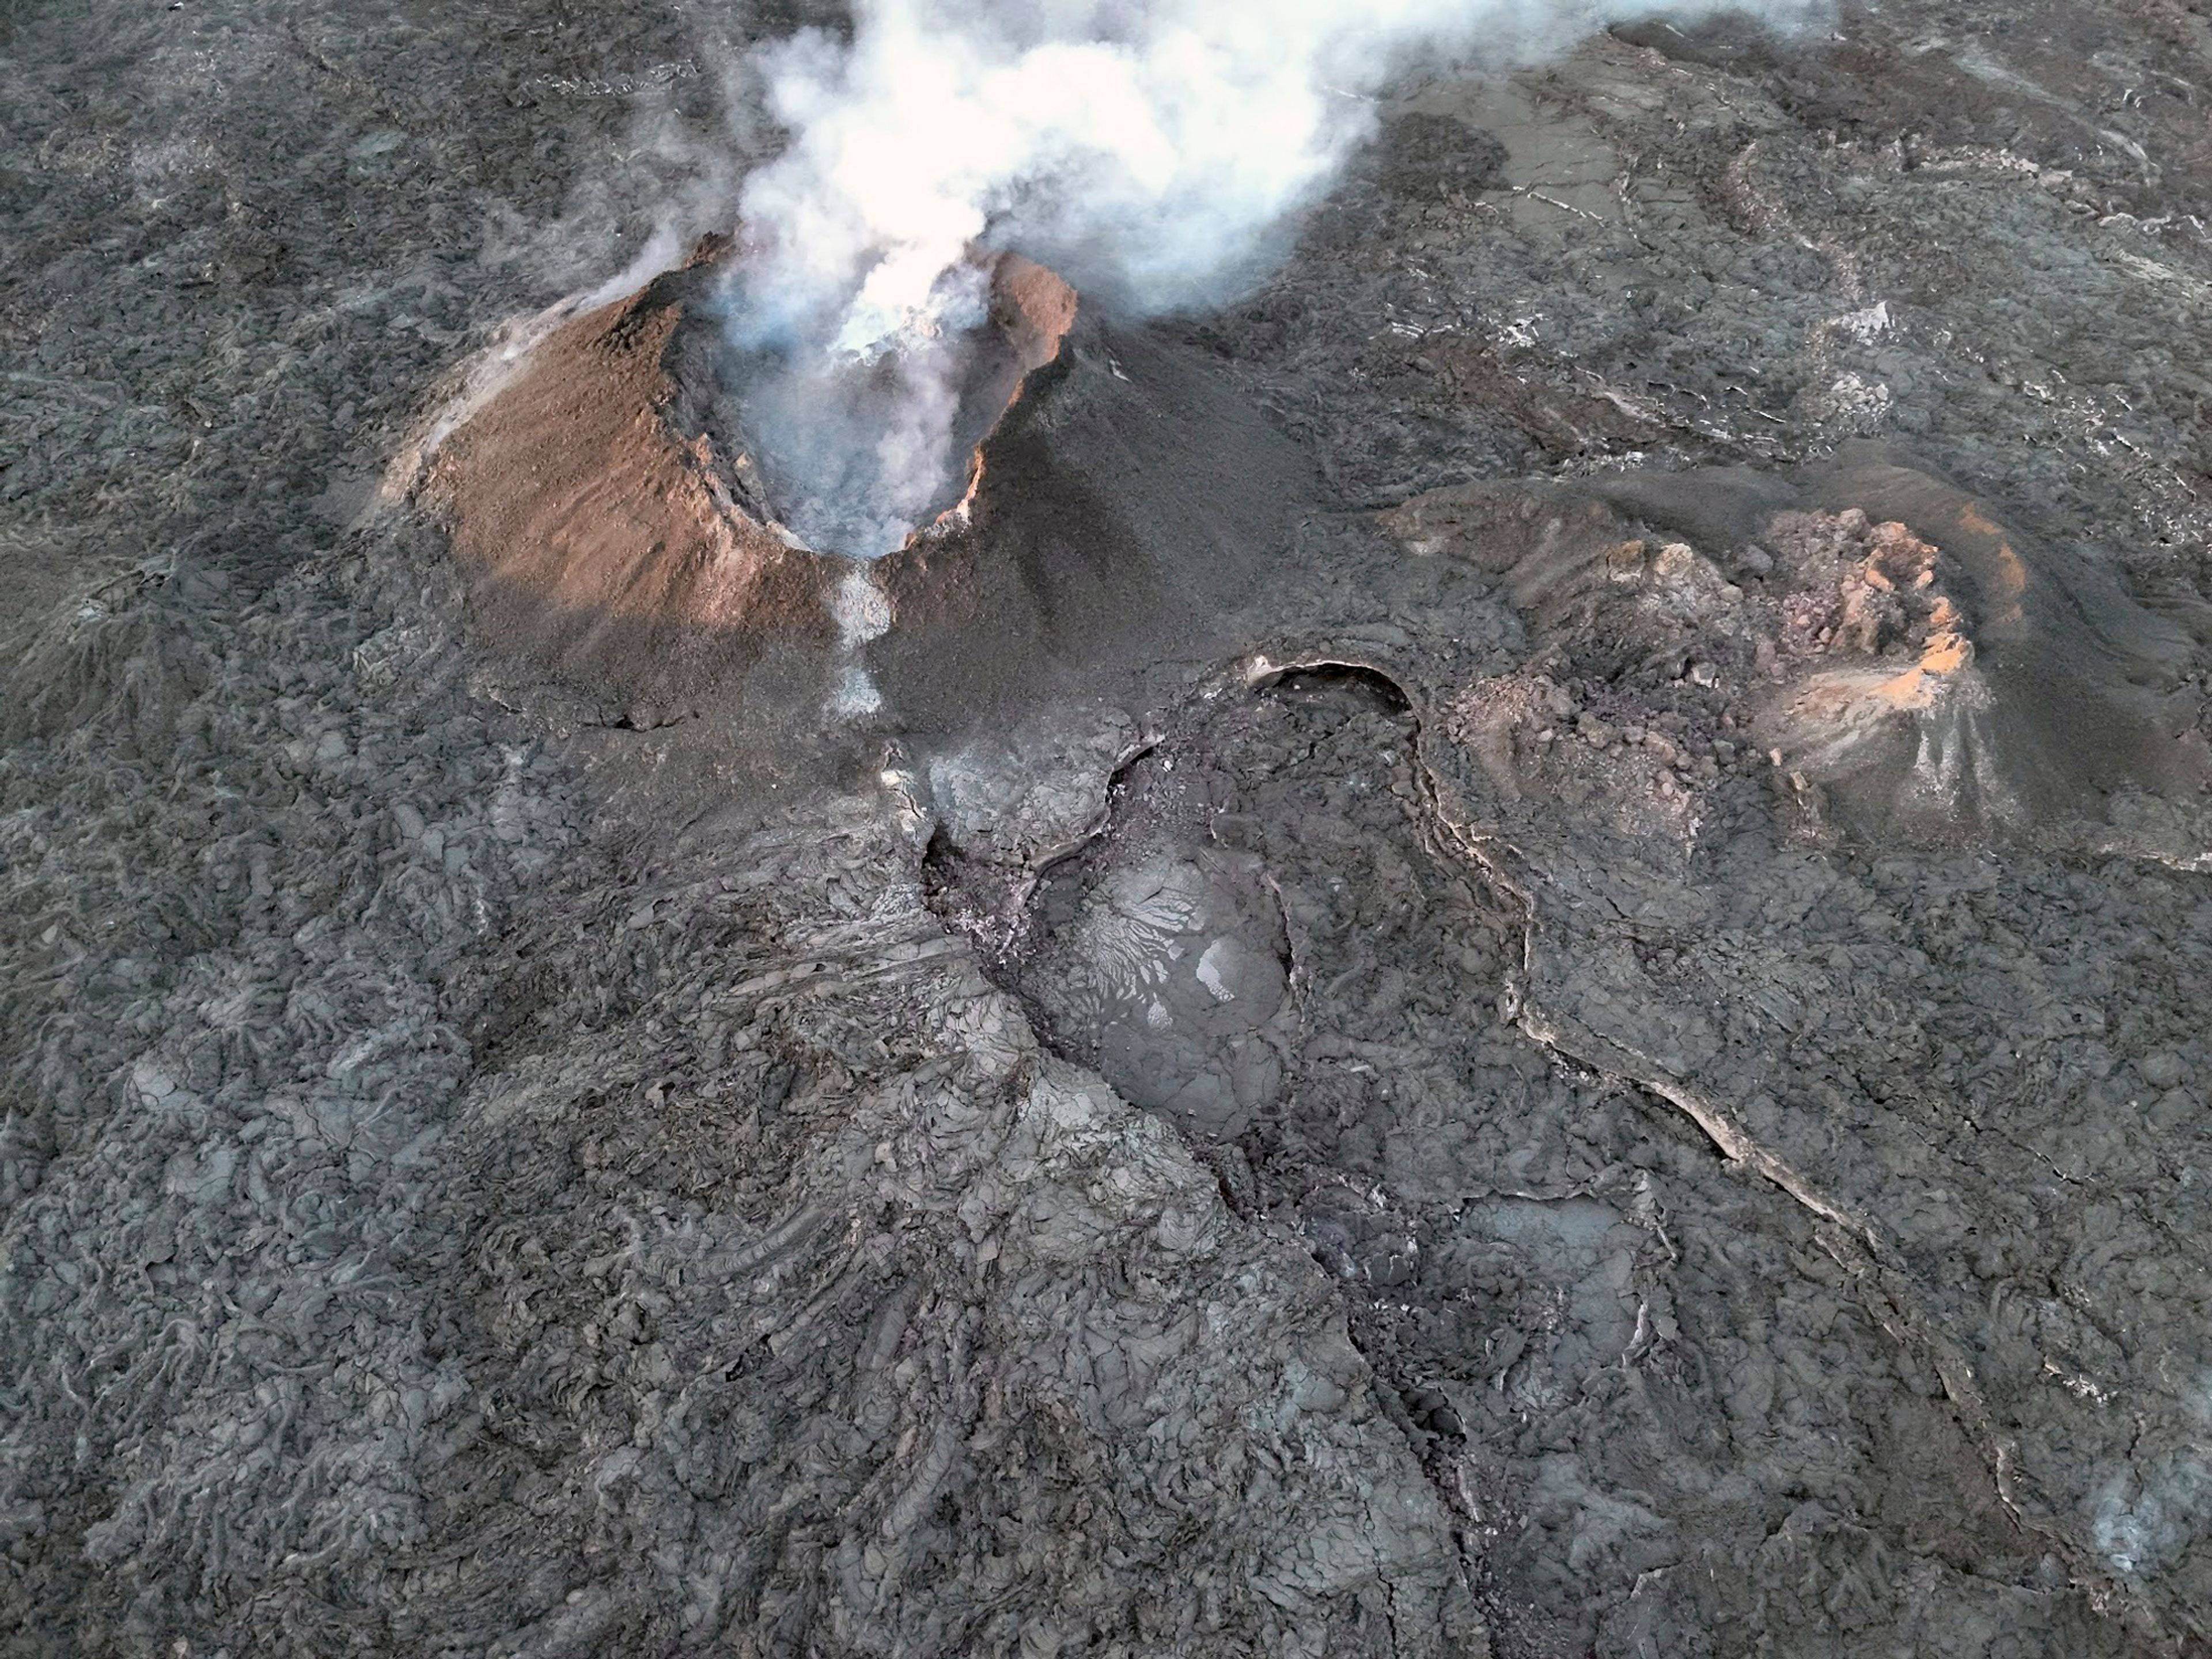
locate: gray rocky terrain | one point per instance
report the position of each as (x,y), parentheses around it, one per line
(1511,955)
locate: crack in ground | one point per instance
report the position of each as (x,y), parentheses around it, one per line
(1851,1238)
(1853,1241)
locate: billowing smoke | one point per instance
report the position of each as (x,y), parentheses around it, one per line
(1149,149)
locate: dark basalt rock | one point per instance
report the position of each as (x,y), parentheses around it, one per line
(1336,1019)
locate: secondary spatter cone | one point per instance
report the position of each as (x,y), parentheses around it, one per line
(620,524)
(1906,666)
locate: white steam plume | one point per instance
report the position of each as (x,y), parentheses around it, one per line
(1145,148)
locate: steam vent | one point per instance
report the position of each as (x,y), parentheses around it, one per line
(1470,919)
